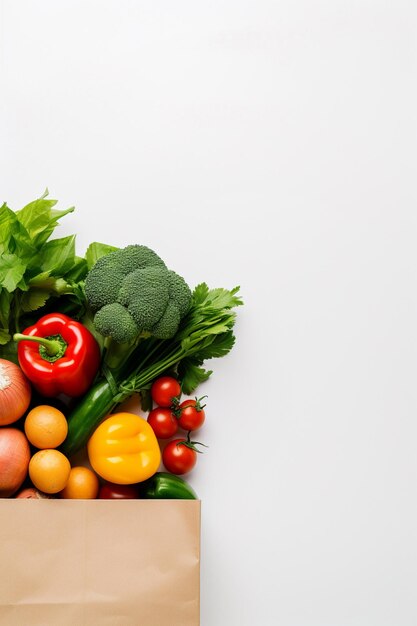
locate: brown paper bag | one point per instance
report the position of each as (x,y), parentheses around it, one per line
(99,562)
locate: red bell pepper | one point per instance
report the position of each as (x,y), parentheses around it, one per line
(58,355)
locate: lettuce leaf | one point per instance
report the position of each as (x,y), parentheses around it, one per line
(34,267)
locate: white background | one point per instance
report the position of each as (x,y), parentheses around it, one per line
(270,144)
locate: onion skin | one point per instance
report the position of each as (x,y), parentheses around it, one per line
(15,393)
(14,460)
(30,493)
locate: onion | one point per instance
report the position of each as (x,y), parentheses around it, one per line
(32,494)
(14,460)
(15,392)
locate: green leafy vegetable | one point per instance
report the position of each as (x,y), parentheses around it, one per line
(204,333)
(95,251)
(36,271)
(40,219)
(12,270)
(57,255)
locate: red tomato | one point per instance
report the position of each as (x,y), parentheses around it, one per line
(178,458)
(164,424)
(165,391)
(192,415)
(111,491)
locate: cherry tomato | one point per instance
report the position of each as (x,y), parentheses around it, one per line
(178,458)
(165,391)
(191,416)
(164,424)
(111,491)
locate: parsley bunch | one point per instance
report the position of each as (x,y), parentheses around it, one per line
(206,332)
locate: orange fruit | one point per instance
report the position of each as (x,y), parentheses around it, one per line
(82,483)
(46,427)
(49,470)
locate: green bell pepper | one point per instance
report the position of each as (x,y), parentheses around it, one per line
(166,486)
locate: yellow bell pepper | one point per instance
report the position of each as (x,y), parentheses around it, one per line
(124,449)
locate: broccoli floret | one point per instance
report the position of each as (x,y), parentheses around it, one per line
(152,286)
(104,279)
(102,283)
(134,258)
(168,324)
(131,292)
(179,292)
(113,320)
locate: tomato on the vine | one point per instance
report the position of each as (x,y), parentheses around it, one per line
(178,457)
(165,391)
(163,422)
(191,414)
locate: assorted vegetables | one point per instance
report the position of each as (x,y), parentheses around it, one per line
(204,333)
(78,337)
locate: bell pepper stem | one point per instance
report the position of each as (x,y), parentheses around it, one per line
(52,347)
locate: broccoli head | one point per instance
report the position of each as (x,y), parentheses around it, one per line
(132,291)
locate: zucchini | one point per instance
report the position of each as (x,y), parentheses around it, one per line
(95,405)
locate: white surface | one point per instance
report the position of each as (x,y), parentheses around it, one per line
(270,144)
